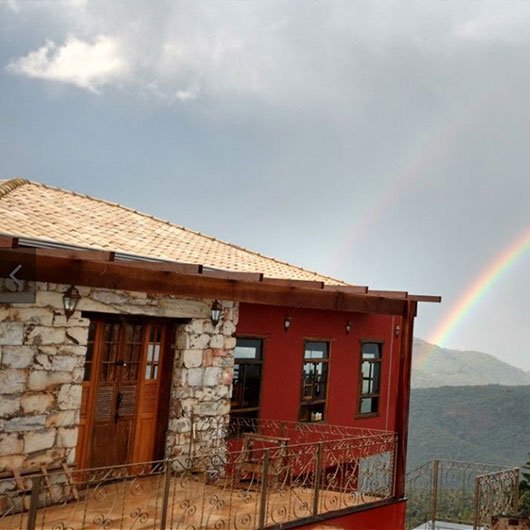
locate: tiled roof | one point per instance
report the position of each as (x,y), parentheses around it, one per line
(33,210)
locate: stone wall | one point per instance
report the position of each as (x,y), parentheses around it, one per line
(42,359)
(202,384)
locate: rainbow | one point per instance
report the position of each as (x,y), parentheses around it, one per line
(424,152)
(476,291)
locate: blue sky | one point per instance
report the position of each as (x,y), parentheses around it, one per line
(385,143)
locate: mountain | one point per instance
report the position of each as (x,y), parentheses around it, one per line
(433,366)
(489,424)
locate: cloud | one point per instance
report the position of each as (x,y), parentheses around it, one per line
(301,54)
(84,64)
(497,25)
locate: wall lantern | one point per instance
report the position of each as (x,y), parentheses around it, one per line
(348,327)
(70,299)
(215,313)
(397,331)
(287,323)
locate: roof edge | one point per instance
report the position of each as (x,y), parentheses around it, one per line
(181,227)
(7,186)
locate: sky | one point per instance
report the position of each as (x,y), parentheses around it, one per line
(384,142)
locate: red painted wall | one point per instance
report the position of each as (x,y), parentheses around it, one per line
(389,517)
(283,353)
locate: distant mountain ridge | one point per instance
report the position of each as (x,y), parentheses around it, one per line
(433,367)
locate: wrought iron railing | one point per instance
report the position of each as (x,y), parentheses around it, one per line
(262,478)
(460,492)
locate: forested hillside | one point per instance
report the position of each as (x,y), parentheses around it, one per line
(489,424)
(433,366)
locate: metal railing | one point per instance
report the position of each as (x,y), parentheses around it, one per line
(259,479)
(460,492)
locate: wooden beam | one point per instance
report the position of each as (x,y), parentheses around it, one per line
(122,275)
(389,294)
(302,284)
(8,242)
(403,396)
(233,275)
(349,289)
(168,266)
(424,298)
(71,254)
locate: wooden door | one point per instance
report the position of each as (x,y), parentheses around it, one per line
(116,393)
(127,369)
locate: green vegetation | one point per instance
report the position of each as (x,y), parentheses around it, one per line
(488,424)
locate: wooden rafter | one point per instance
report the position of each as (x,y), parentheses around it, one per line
(101,269)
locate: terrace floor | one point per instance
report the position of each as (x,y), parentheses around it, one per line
(137,504)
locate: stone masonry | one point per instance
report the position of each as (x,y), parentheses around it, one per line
(42,358)
(202,384)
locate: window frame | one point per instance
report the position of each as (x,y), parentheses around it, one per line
(244,412)
(323,360)
(362,395)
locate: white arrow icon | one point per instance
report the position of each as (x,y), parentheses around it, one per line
(16,280)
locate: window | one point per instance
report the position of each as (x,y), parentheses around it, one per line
(370,377)
(153,352)
(89,359)
(314,381)
(248,360)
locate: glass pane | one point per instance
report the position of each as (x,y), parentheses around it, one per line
(150,353)
(366,405)
(157,353)
(367,369)
(316,350)
(248,349)
(252,385)
(92,332)
(89,352)
(155,373)
(137,333)
(376,377)
(371,350)
(367,386)
(133,371)
(88,372)
(128,333)
(115,337)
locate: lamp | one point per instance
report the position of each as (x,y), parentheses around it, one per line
(215,312)
(287,323)
(70,299)
(348,327)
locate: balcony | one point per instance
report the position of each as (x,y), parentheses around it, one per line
(242,475)
(450,494)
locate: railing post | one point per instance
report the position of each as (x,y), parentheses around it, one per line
(264,485)
(33,503)
(434,499)
(165,495)
(318,478)
(476,503)
(192,441)
(516,491)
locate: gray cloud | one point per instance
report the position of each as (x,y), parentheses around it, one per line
(384,142)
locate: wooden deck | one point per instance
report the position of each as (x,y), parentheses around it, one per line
(191,504)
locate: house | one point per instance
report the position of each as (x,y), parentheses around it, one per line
(277,396)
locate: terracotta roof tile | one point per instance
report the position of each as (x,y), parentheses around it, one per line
(33,210)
